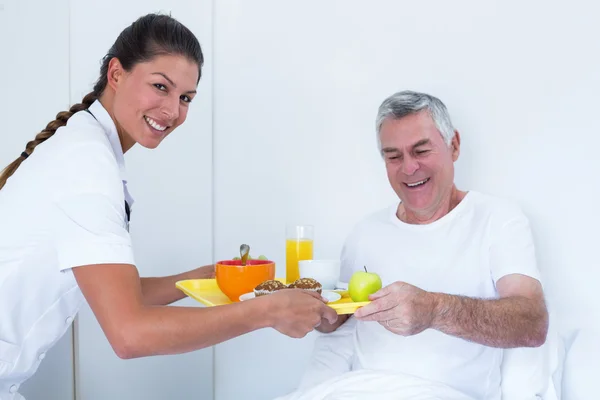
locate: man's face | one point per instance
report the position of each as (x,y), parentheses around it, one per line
(420,165)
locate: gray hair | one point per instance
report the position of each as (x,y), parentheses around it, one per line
(402,104)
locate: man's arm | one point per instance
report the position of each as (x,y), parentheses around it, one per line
(162,291)
(518,319)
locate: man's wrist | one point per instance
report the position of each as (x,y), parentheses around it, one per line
(438,307)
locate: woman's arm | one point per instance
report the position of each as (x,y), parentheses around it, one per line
(162,291)
(135,329)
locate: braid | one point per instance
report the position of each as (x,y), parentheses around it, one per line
(61,120)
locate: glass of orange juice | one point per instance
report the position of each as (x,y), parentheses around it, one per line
(298,246)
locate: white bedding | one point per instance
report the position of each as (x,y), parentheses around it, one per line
(567,370)
(365,384)
(329,376)
(332,374)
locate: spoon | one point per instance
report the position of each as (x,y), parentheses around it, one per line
(244,252)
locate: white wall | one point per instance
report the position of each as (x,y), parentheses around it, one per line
(171,218)
(297,87)
(171,223)
(34,63)
(51,57)
(291,105)
(280,105)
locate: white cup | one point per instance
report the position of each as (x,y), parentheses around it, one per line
(327,272)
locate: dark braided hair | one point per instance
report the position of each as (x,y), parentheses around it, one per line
(150,36)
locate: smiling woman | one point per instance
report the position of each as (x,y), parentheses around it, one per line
(65,220)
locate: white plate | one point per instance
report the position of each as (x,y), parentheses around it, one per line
(328,294)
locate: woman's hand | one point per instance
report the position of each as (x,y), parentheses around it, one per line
(162,291)
(205,272)
(296,312)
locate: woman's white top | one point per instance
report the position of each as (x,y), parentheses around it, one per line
(64,207)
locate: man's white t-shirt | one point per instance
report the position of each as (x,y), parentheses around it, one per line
(464,253)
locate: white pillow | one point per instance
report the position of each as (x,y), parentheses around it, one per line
(557,363)
(582,366)
(527,372)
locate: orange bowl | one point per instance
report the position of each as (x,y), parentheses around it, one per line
(234,279)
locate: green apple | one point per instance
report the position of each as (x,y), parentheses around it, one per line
(362,284)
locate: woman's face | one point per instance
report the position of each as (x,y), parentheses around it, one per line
(152,99)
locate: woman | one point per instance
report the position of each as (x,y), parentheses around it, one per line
(64,207)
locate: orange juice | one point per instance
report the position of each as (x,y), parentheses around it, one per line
(296,250)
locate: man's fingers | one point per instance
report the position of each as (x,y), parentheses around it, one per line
(380,293)
(376,306)
(387,290)
(380,316)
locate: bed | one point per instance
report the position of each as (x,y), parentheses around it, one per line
(566,367)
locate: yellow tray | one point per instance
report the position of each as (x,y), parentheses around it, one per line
(207,292)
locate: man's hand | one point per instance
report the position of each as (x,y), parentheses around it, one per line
(519,318)
(400,308)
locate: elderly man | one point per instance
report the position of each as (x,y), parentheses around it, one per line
(458,267)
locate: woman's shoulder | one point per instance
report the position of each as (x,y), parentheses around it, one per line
(80,143)
(79,154)
(81,129)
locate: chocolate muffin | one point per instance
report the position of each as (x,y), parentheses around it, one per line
(309,284)
(268,287)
